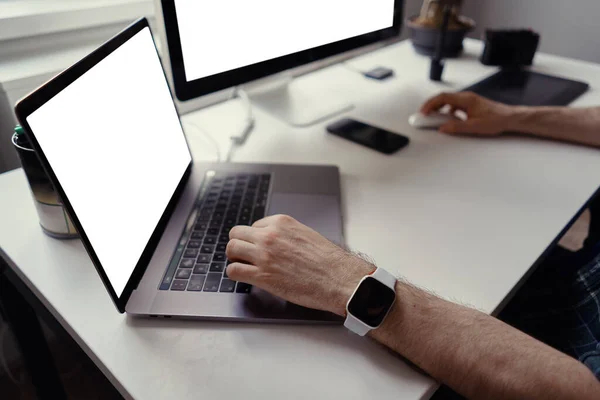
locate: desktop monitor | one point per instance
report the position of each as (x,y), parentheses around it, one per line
(214,45)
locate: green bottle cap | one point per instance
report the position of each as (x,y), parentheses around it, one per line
(21,138)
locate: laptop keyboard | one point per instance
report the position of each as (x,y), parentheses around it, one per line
(225,200)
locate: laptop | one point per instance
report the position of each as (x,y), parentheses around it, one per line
(154,222)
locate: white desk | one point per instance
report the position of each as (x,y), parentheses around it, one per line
(464,217)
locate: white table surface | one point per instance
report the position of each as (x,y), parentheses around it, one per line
(463,217)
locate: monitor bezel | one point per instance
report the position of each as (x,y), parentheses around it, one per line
(47,91)
(185,90)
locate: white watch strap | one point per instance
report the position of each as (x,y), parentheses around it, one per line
(356,325)
(353,323)
(385,277)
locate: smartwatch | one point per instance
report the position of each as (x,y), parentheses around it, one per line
(371,302)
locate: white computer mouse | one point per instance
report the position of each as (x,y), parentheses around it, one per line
(431,121)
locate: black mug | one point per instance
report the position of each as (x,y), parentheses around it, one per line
(54,219)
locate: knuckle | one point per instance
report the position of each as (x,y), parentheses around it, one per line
(445,96)
(284,219)
(231,247)
(233,270)
(471,96)
(270,237)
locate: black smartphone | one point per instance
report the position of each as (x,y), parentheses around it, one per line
(370,136)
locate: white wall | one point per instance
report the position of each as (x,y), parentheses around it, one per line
(567,27)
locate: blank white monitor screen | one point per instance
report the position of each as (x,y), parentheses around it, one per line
(114,141)
(218,36)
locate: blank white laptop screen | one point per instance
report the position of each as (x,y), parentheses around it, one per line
(114,141)
(218,36)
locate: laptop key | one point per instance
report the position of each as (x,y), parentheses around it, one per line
(212,282)
(229,222)
(197,234)
(204,258)
(227,286)
(194,244)
(246,210)
(178,285)
(190,253)
(213,231)
(186,263)
(203,218)
(221,247)
(223,238)
(244,220)
(196,283)
(201,226)
(231,214)
(217,267)
(216,223)
(243,288)
(210,240)
(220,257)
(201,269)
(206,249)
(183,273)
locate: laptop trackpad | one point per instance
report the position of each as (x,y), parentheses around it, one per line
(320,212)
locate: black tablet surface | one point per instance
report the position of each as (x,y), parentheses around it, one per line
(522,87)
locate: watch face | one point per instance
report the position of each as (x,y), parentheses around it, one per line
(371,302)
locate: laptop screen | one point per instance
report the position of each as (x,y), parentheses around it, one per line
(115,144)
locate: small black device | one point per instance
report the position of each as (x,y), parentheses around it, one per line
(367,135)
(379,73)
(510,48)
(528,88)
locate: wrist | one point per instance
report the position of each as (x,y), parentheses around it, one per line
(516,120)
(353,270)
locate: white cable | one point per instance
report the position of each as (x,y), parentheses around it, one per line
(239,139)
(230,151)
(212,141)
(248,126)
(249,121)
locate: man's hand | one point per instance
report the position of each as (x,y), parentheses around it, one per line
(292,261)
(484,117)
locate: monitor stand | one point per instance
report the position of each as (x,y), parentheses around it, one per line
(294,101)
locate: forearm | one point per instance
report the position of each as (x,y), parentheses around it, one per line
(478,355)
(578,125)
